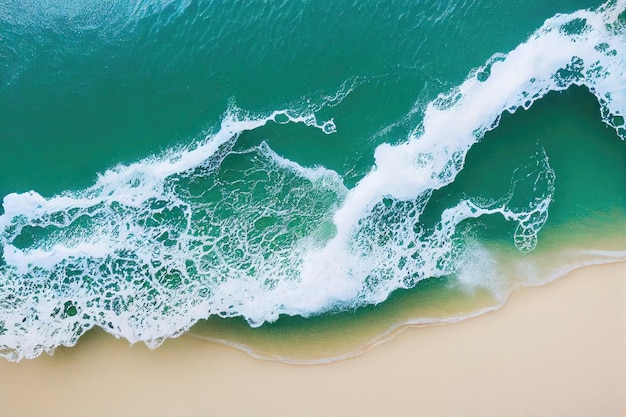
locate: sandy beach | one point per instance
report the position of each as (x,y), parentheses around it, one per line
(556,350)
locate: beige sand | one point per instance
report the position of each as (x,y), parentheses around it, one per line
(558,350)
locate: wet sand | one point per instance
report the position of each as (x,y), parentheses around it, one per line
(556,350)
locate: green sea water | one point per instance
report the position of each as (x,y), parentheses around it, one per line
(280,171)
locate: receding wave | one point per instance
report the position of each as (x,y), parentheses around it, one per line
(213,229)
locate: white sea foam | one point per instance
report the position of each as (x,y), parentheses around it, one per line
(85,14)
(154,246)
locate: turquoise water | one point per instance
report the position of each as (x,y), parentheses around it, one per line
(166,162)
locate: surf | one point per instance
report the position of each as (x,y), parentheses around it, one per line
(214,229)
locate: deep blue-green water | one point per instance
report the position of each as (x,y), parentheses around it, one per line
(165,162)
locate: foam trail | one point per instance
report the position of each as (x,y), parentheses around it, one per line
(120,183)
(381,249)
(551,60)
(133,245)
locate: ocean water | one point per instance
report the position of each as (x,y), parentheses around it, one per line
(255,172)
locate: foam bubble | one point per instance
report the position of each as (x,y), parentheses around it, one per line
(551,60)
(155,245)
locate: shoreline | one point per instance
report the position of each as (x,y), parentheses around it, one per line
(346,335)
(554,350)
